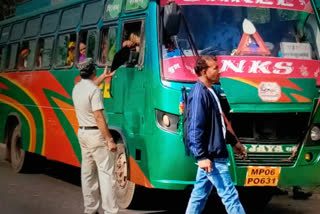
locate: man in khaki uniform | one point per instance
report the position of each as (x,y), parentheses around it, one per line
(97,145)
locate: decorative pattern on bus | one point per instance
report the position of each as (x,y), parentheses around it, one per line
(301,5)
(267,74)
(47,107)
(51,120)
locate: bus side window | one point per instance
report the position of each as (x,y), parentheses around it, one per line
(66,46)
(26,55)
(87,45)
(311,34)
(133,37)
(7,57)
(1,48)
(39,56)
(12,57)
(44,52)
(45,55)
(108,45)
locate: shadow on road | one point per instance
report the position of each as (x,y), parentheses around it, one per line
(145,200)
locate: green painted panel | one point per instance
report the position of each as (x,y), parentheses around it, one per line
(32,27)
(17,31)
(5,34)
(92,13)
(70,18)
(112,9)
(243,97)
(133,5)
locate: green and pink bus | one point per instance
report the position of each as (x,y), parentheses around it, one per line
(268,52)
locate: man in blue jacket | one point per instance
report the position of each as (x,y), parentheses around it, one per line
(207,136)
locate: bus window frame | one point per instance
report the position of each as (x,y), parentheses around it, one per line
(51,53)
(100,42)
(54,61)
(9,45)
(77,55)
(27,41)
(142,40)
(2,47)
(38,30)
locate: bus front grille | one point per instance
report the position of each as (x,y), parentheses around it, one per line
(265,159)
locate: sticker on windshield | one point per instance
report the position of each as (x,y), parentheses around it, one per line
(295,50)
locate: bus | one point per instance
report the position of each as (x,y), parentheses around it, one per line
(268,52)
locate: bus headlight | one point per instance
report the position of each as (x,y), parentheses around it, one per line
(315,133)
(168,122)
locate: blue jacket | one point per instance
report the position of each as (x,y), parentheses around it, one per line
(205,136)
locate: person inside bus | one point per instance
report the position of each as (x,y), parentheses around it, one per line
(104,52)
(133,42)
(169,48)
(82,51)
(23,58)
(71,49)
(39,61)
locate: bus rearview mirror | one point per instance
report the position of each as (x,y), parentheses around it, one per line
(171,19)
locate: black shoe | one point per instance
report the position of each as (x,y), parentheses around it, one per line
(300,195)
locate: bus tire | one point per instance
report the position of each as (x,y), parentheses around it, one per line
(17,153)
(124,188)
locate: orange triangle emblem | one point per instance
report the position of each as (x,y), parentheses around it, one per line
(251,42)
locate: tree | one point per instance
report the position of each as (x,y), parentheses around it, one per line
(7,9)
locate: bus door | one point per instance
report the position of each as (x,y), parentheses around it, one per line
(127,86)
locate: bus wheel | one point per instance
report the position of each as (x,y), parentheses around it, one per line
(17,153)
(124,187)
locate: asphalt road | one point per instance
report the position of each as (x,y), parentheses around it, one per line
(57,190)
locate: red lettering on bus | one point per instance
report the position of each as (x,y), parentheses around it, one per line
(256,180)
(254,171)
(261,171)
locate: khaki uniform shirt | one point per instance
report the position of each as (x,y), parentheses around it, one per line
(87,98)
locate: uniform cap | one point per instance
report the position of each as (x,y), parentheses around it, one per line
(86,66)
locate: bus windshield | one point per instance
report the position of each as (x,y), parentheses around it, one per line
(244,31)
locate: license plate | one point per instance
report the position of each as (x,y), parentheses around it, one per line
(262,176)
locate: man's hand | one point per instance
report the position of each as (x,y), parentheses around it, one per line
(205,164)
(111,145)
(239,150)
(103,76)
(108,73)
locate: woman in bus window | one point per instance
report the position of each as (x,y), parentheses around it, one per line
(133,42)
(82,51)
(23,58)
(71,49)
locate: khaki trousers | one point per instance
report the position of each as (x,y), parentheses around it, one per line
(97,171)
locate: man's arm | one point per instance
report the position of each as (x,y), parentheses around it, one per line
(103,76)
(103,127)
(197,118)
(196,127)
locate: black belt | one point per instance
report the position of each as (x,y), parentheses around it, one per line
(88,127)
